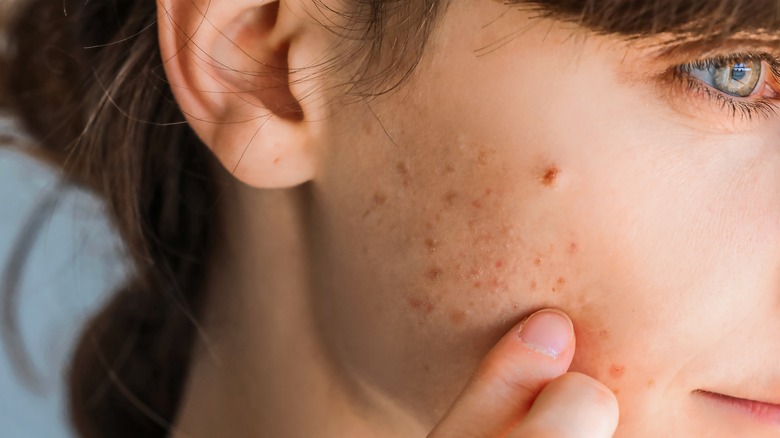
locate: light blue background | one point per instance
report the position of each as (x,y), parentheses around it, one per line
(73,266)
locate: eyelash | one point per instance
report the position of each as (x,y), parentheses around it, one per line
(746,108)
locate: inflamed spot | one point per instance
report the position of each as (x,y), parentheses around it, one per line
(457,317)
(422,306)
(434,273)
(550,175)
(616,371)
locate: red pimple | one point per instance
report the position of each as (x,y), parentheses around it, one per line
(477,284)
(434,273)
(457,317)
(488,192)
(476,203)
(550,175)
(431,244)
(423,306)
(499,264)
(616,371)
(573,248)
(450,196)
(538,261)
(559,284)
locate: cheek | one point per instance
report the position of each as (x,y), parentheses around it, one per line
(475,262)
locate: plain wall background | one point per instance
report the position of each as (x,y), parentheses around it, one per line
(71,268)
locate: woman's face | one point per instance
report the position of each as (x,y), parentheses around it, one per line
(530,164)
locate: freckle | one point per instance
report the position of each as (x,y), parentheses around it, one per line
(550,175)
(427,368)
(499,264)
(434,273)
(533,285)
(559,284)
(650,383)
(423,306)
(457,317)
(538,261)
(276,161)
(431,244)
(616,371)
(476,203)
(573,248)
(449,197)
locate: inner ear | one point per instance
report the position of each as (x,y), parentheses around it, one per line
(259,72)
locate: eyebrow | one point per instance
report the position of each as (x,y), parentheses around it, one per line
(686,19)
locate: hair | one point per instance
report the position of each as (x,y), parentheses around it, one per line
(86,81)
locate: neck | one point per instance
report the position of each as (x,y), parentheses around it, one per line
(260,368)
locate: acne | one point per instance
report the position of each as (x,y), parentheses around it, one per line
(616,371)
(450,197)
(277,160)
(550,175)
(573,248)
(431,245)
(538,261)
(559,284)
(533,285)
(434,273)
(378,200)
(457,317)
(421,306)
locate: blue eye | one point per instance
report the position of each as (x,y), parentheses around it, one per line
(738,78)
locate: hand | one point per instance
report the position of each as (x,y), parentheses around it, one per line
(522,389)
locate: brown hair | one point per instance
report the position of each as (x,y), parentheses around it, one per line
(85,79)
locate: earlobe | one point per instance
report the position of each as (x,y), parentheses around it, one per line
(227,65)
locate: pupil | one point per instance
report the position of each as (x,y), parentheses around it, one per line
(739,71)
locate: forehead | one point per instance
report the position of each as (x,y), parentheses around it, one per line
(706,18)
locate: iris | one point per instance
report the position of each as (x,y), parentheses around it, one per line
(738,78)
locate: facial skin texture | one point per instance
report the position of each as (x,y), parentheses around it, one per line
(554,171)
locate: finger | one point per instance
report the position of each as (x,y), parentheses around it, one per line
(571,406)
(510,377)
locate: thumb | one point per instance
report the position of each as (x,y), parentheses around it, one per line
(513,373)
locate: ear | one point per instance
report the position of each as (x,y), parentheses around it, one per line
(228,64)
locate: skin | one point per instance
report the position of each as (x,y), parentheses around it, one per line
(559,170)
